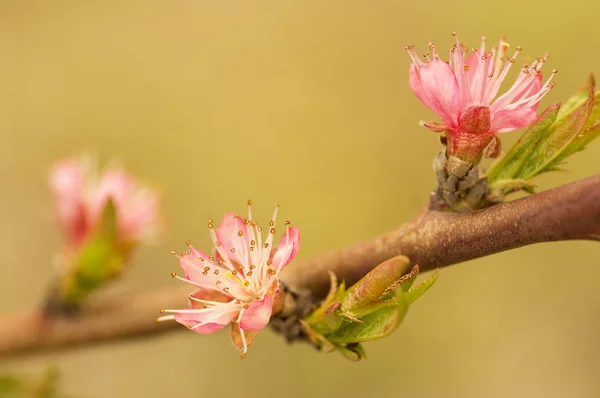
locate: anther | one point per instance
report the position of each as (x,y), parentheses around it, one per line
(206,268)
(453,33)
(272,230)
(173,274)
(266,245)
(201,258)
(173,252)
(216,272)
(187,242)
(287,222)
(466,67)
(519,48)
(234,272)
(233,249)
(162,310)
(246,306)
(243,355)
(240,233)
(252,242)
(204,273)
(249,202)
(271,223)
(269,262)
(246,283)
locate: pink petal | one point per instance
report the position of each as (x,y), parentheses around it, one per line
(532,88)
(229,238)
(286,252)
(210,321)
(67,182)
(509,120)
(257,315)
(438,89)
(477,73)
(194,268)
(210,295)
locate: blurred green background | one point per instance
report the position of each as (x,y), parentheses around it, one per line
(305,103)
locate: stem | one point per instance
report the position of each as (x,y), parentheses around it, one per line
(432,239)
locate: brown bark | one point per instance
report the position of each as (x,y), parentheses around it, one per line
(432,239)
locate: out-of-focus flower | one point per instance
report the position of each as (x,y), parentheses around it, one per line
(80,198)
(239,284)
(463,92)
(104,216)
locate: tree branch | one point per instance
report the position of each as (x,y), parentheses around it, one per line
(432,239)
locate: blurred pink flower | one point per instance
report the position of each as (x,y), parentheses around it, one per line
(463,93)
(240,283)
(80,198)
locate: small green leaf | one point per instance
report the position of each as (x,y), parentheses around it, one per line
(354,352)
(374,326)
(372,286)
(511,164)
(416,292)
(560,132)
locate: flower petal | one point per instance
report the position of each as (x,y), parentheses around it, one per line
(509,120)
(236,336)
(438,89)
(207,322)
(287,249)
(229,238)
(67,182)
(257,315)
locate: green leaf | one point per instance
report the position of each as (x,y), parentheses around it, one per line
(101,258)
(354,352)
(560,132)
(374,326)
(378,281)
(512,163)
(416,292)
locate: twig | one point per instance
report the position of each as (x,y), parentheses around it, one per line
(432,239)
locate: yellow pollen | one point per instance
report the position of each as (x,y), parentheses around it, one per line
(287,222)
(266,245)
(246,283)
(162,310)
(218,244)
(240,233)
(216,272)
(243,355)
(187,242)
(272,230)
(204,272)
(206,268)
(210,221)
(201,258)
(246,306)
(173,274)
(232,275)
(466,67)
(249,202)
(211,258)
(252,266)
(269,262)
(271,223)
(233,249)
(250,273)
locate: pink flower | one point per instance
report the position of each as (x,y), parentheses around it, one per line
(464,94)
(80,198)
(240,283)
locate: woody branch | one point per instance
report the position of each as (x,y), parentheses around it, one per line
(432,239)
